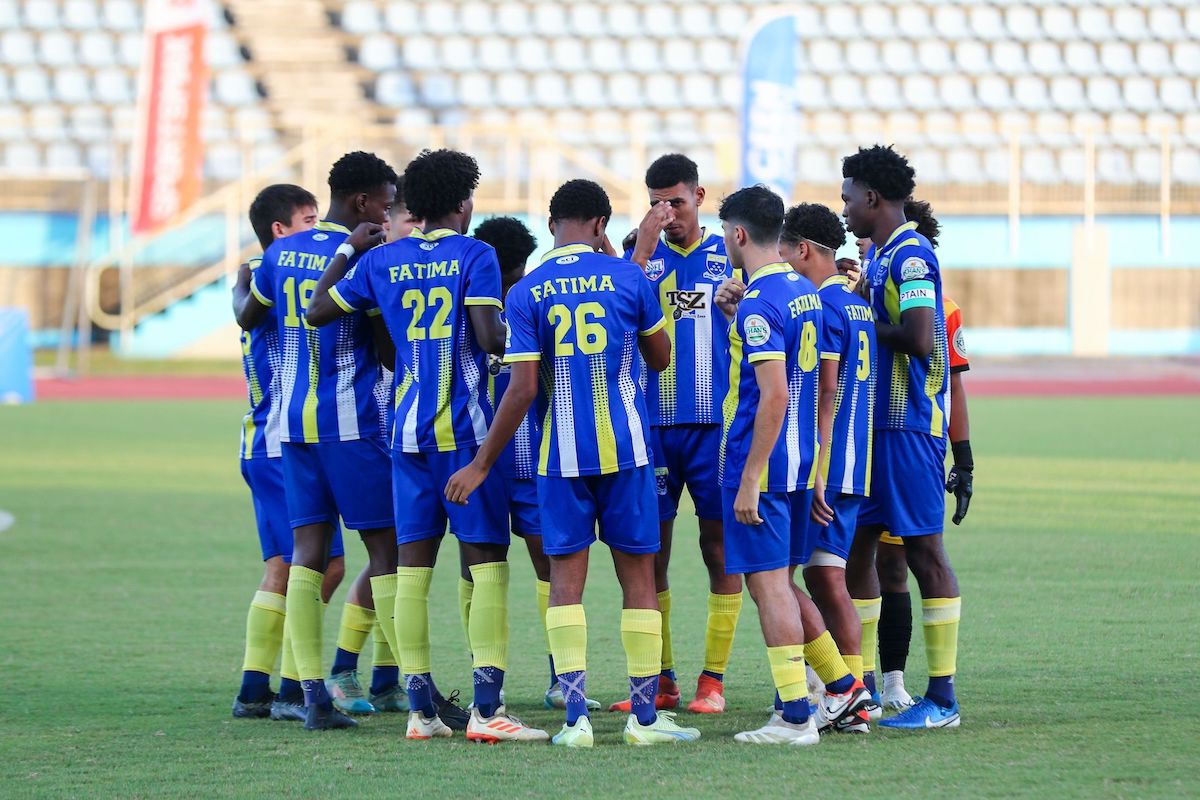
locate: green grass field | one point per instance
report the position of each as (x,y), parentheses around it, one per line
(125,580)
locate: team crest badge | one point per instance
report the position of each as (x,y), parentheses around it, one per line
(655,268)
(716,266)
(428,245)
(320,237)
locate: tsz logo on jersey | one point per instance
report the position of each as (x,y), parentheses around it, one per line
(655,268)
(689,304)
(716,267)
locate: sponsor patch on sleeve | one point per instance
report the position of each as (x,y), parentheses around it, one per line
(757,330)
(913,268)
(960,344)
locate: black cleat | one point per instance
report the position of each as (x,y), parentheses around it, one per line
(452,715)
(287,710)
(251,710)
(326,718)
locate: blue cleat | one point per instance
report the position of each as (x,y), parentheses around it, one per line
(924,714)
(347,693)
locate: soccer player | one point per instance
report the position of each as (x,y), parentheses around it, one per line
(809,242)
(277,211)
(334,460)
(580,319)
(895,617)
(401,222)
(686,263)
(768,465)
(439,294)
(904,281)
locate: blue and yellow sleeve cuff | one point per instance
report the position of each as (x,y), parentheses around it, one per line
(512,358)
(342,304)
(655,328)
(831,356)
(483,301)
(766,355)
(259,295)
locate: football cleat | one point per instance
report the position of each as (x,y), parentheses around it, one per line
(577,735)
(347,693)
(667,697)
(894,697)
(833,707)
(556,699)
(251,710)
(663,730)
(452,714)
(423,727)
(287,710)
(390,701)
(858,722)
(501,727)
(778,731)
(320,717)
(710,696)
(924,714)
(874,709)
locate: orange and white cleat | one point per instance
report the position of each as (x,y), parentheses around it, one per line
(502,727)
(710,696)
(666,699)
(422,727)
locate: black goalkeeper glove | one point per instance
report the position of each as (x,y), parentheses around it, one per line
(959,482)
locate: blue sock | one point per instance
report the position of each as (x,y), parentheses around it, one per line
(841,685)
(718,676)
(796,711)
(384,678)
(641,698)
(553,674)
(315,693)
(869,680)
(668,673)
(290,691)
(778,703)
(344,661)
(488,683)
(256,687)
(420,696)
(941,691)
(574,684)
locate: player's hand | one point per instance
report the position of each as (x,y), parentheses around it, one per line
(728,295)
(745,506)
(366,236)
(656,220)
(958,483)
(821,512)
(244,276)
(606,247)
(463,482)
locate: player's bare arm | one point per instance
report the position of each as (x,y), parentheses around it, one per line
(656,350)
(522,389)
(322,309)
(771,377)
(385,348)
(656,220)
(247,310)
(489,328)
(914,334)
(826,399)
(960,482)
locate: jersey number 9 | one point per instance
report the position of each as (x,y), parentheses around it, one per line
(864,356)
(298,299)
(589,334)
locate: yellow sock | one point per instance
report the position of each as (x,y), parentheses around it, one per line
(641,635)
(855,664)
(868,612)
(723,613)
(543,601)
(412,618)
(787,669)
(664,608)
(305,612)
(826,661)
(940,620)
(356,627)
(489,615)
(466,590)
(383,594)
(383,656)
(264,631)
(566,628)
(287,661)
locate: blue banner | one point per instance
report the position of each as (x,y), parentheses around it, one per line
(16,357)
(768,125)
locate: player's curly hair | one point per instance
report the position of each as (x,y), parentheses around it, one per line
(277,203)
(758,210)
(882,169)
(437,182)
(814,222)
(359,172)
(512,240)
(672,169)
(580,200)
(921,212)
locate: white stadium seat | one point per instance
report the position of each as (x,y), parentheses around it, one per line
(81,15)
(71,86)
(1094,23)
(549,19)
(1129,22)
(1154,58)
(1045,58)
(395,89)
(532,55)
(1166,23)
(1058,22)
(1022,23)
(378,52)
(935,57)
(41,15)
(403,18)
(1117,58)
(17,48)
(1140,94)
(475,19)
(440,18)
(96,49)
(31,85)
(122,15)
(1066,92)
(361,17)
(57,49)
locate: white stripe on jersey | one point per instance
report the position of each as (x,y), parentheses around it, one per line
(564,420)
(275,413)
(347,403)
(791,436)
(703,359)
(290,352)
(408,433)
(470,373)
(628,392)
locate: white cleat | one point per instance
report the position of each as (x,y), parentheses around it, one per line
(501,727)
(422,727)
(778,731)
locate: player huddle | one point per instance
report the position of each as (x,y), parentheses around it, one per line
(431,383)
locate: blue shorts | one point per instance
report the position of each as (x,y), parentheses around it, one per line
(523,514)
(908,484)
(622,503)
(326,480)
(264,476)
(774,544)
(837,537)
(687,454)
(422,510)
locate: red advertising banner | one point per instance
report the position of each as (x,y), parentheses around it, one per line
(168,154)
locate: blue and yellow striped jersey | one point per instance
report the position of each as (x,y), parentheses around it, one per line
(260,365)
(848,337)
(423,285)
(904,274)
(778,319)
(688,391)
(580,314)
(327,376)
(517,460)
